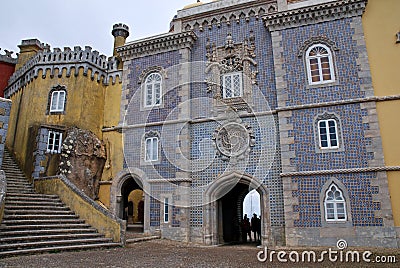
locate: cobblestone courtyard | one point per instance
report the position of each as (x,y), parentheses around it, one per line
(162,253)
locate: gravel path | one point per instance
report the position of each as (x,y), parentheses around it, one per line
(163,253)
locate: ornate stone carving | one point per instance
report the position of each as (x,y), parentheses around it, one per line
(229,58)
(157,44)
(83,157)
(316,40)
(233,140)
(153,69)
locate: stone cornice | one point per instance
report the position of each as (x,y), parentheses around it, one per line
(340,171)
(224,12)
(314,14)
(157,44)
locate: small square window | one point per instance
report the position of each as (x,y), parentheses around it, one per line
(54,142)
(232,85)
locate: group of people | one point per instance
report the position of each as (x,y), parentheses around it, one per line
(251,226)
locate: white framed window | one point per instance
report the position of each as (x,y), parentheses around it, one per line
(151,149)
(166,210)
(335,205)
(57,101)
(153,90)
(320,67)
(54,142)
(328,134)
(232,85)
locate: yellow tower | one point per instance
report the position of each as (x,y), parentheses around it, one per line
(120,32)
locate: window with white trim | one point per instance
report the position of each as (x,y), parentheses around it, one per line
(320,67)
(232,85)
(151,149)
(335,204)
(328,134)
(153,90)
(54,142)
(57,101)
(166,210)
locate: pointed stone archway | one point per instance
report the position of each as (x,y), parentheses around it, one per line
(123,184)
(226,190)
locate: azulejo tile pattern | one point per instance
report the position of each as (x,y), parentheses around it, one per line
(284,108)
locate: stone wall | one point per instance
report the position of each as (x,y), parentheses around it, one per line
(5,108)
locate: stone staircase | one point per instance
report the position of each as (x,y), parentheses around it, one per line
(37,223)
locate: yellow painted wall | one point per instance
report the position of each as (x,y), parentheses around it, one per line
(103,223)
(381,23)
(84,109)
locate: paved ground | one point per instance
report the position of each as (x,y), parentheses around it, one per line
(162,253)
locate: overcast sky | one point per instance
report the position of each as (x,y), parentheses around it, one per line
(69,23)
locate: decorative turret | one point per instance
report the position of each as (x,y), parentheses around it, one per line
(28,49)
(120,32)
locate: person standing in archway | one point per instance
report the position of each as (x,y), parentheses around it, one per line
(254,221)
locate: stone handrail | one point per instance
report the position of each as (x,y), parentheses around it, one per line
(97,216)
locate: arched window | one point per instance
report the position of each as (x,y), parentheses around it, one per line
(320,67)
(335,204)
(328,134)
(153,90)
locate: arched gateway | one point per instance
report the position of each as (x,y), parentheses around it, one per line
(224,206)
(125,185)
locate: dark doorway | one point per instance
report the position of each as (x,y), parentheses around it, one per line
(133,205)
(231,211)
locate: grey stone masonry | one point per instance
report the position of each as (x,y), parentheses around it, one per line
(5,108)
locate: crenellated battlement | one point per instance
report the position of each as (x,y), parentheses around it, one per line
(120,29)
(72,60)
(8,57)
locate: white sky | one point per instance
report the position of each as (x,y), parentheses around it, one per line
(69,23)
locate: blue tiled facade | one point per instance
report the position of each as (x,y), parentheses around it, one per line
(282,114)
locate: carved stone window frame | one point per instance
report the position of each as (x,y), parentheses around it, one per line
(142,82)
(228,59)
(339,185)
(57,88)
(328,116)
(147,135)
(332,48)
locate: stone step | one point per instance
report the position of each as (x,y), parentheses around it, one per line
(56,203)
(32,238)
(39,216)
(52,243)
(21,212)
(56,249)
(19,207)
(19,185)
(30,198)
(47,232)
(33,195)
(26,191)
(34,222)
(70,226)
